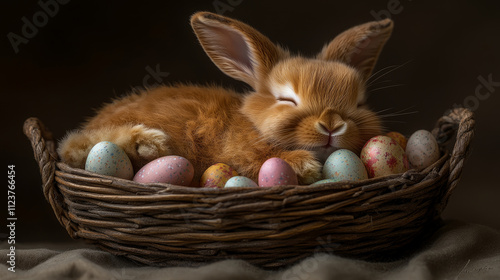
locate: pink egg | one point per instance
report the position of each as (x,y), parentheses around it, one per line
(275,172)
(173,170)
(383,156)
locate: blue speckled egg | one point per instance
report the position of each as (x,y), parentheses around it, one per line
(240,181)
(422,149)
(326,181)
(174,170)
(107,158)
(344,165)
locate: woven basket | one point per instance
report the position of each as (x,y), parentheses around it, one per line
(162,224)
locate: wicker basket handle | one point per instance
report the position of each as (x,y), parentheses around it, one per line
(462,121)
(44,148)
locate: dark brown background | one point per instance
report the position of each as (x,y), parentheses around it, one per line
(91,51)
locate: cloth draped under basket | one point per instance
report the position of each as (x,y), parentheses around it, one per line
(162,224)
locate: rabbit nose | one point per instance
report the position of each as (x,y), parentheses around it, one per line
(330,123)
(337,129)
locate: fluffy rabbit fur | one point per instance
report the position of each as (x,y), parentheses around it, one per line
(301,109)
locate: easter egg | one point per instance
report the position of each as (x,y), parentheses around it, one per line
(107,158)
(344,165)
(173,170)
(326,181)
(217,175)
(240,181)
(383,156)
(422,149)
(276,172)
(400,138)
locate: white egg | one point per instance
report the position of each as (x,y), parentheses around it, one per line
(422,149)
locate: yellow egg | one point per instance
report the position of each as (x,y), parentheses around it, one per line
(217,175)
(400,138)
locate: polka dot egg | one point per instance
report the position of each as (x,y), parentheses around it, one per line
(107,158)
(344,165)
(217,175)
(422,149)
(174,170)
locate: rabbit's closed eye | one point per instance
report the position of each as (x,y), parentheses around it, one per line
(285,94)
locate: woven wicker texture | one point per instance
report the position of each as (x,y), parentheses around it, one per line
(162,224)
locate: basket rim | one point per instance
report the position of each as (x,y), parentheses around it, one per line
(63,170)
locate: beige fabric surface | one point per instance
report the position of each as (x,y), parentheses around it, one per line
(457,251)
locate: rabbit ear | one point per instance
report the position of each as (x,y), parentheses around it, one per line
(236,48)
(359,46)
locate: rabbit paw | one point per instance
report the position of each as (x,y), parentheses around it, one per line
(146,144)
(306,166)
(142,144)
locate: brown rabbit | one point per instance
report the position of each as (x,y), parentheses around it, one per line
(301,109)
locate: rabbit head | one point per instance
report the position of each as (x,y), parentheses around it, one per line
(316,104)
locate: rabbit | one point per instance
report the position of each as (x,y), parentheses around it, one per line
(300,109)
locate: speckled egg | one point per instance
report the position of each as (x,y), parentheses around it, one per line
(422,149)
(107,158)
(276,172)
(383,156)
(400,138)
(326,181)
(240,181)
(344,165)
(217,175)
(174,170)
